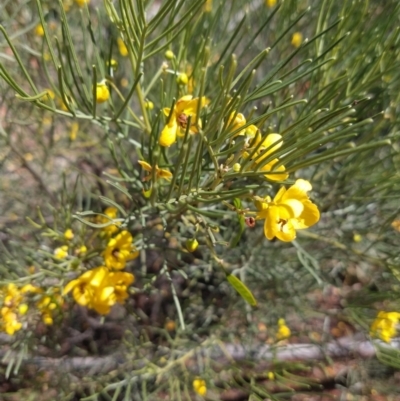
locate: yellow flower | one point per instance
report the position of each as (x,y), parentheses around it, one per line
(12,296)
(123,50)
(270,144)
(100,289)
(22,309)
(199,386)
(113,64)
(147,194)
(120,282)
(271,375)
(61,252)
(68,235)
(396,224)
(384,326)
(102,92)
(236,121)
(29,288)
(74,131)
(9,321)
(283,330)
(207,6)
(270,3)
(81,3)
(50,94)
(81,251)
(160,172)
(184,108)
(119,250)
(111,213)
(83,287)
(290,210)
(47,319)
(39,31)
(297,39)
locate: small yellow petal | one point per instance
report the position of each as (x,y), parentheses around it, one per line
(168,134)
(146,166)
(122,47)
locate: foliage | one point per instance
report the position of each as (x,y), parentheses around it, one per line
(144,146)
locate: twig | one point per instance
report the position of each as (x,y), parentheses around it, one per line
(344,347)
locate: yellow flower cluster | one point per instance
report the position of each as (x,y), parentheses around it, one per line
(119,250)
(385,325)
(61,252)
(81,3)
(15,305)
(283,330)
(110,215)
(102,287)
(257,147)
(184,108)
(49,303)
(99,288)
(290,210)
(270,3)
(207,8)
(199,386)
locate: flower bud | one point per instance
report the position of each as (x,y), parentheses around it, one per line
(102,92)
(297,39)
(192,244)
(22,309)
(169,55)
(236,167)
(39,30)
(182,79)
(123,50)
(68,235)
(149,105)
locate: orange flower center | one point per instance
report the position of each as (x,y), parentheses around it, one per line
(182,120)
(281,224)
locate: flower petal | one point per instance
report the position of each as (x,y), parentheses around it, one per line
(270,224)
(298,190)
(294,206)
(146,166)
(166,174)
(277,174)
(168,134)
(309,216)
(272,141)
